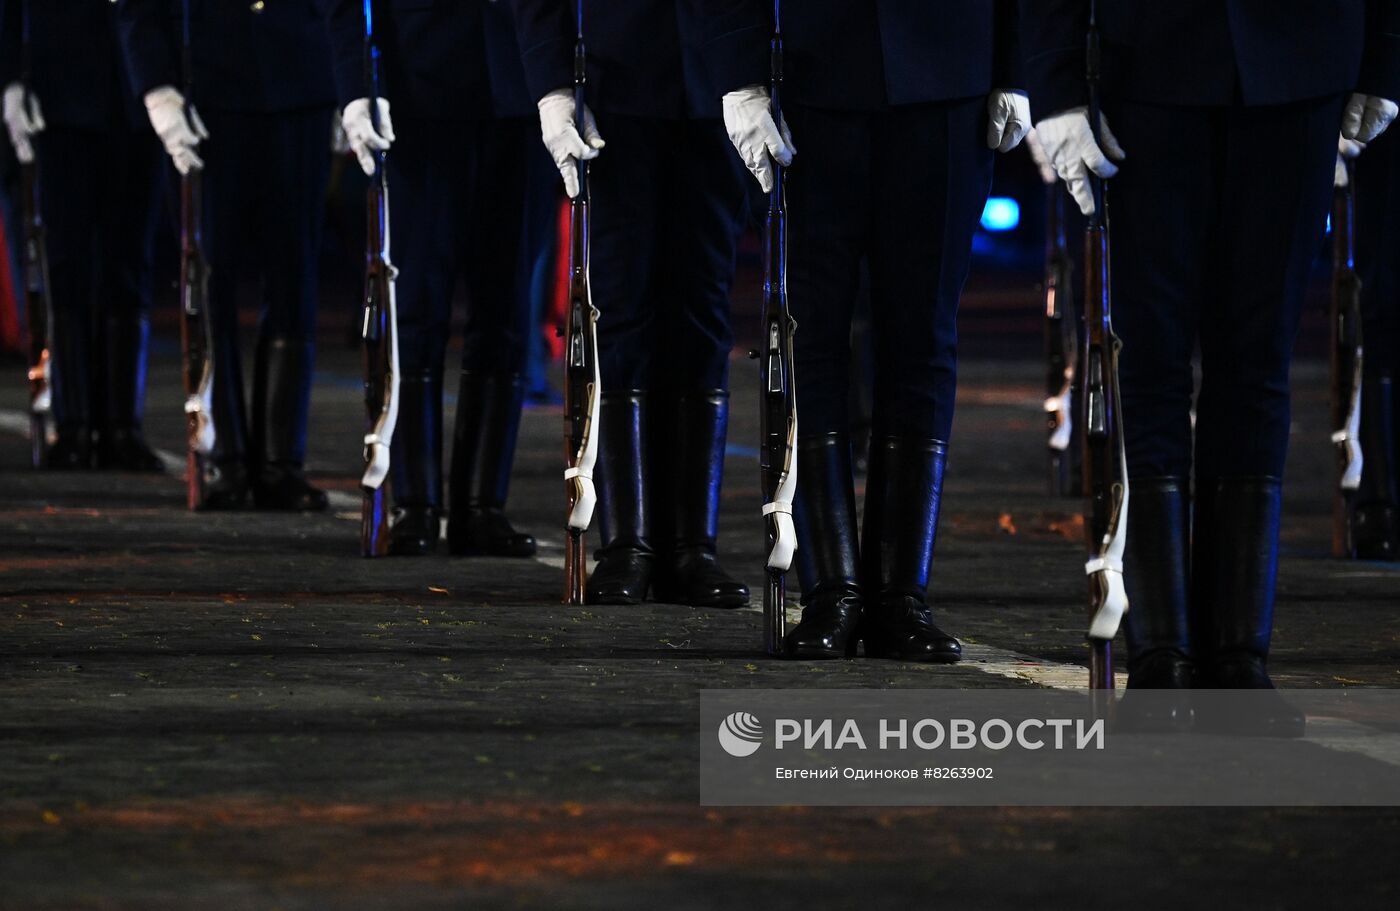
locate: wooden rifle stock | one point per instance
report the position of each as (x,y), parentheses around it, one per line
(379,335)
(778,400)
(1347,354)
(38,306)
(39,311)
(379,339)
(1101,420)
(1061,352)
(196,325)
(196,348)
(581,376)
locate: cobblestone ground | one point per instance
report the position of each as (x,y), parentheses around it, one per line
(236,711)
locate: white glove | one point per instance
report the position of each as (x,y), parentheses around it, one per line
(561,136)
(360,133)
(1366,116)
(23,121)
(748,118)
(1347,149)
(179,133)
(1069,144)
(1042,161)
(1008,119)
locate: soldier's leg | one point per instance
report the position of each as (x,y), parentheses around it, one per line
(1376,520)
(491,390)
(708,194)
(829,229)
(68,192)
(1277,169)
(628,212)
(927,208)
(431,172)
(131,200)
(230,157)
(1163,205)
(296,165)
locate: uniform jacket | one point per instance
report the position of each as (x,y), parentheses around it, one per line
(509,91)
(867,54)
(643,55)
(264,57)
(76,67)
(1213,52)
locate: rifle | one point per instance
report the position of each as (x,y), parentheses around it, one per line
(196,329)
(1105,459)
(378,331)
(37,303)
(778,412)
(1061,350)
(582,381)
(1347,356)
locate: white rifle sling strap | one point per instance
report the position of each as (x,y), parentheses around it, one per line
(379,440)
(1350,434)
(780,509)
(201,406)
(43,402)
(200,403)
(1062,407)
(1108,566)
(580,474)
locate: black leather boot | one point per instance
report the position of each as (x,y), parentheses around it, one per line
(281,402)
(71,449)
(1375,522)
(123,446)
(902,496)
(225,485)
(626,562)
(69,378)
(691,574)
(416,466)
(1234,572)
(483,449)
(1156,575)
(828,551)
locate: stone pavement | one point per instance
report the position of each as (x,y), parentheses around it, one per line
(236,711)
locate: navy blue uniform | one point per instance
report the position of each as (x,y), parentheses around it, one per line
(887,102)
(99,196)
(887,105)
(458,177)
(1229,115)
(262,84)
(1223,198)
(668,194)
(669,200)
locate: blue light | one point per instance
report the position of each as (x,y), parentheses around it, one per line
(1001,214)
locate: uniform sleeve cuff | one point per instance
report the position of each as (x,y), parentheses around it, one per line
(548,66)
(1380,69)
(738,58)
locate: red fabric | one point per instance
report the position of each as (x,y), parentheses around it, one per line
(559,306)
(9,299)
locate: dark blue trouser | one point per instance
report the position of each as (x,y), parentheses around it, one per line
(457,191)
(904,189)
(1216,218)
(264,192)
(669,201)
(99,198)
